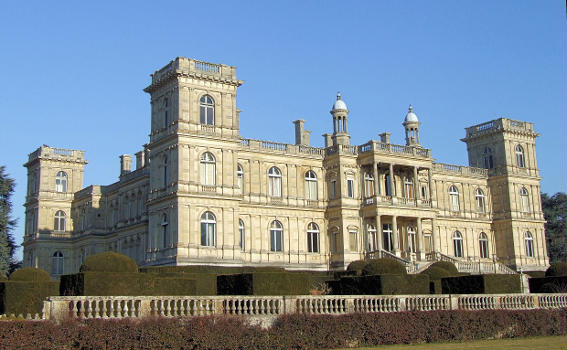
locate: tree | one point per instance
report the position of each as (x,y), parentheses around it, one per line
(554,211)
(7,224)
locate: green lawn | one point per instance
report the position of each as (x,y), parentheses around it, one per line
(534,343)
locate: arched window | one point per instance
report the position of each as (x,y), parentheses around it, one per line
(164,233)
(208,169)
(520,160)
(368,185)
(207,112)
(61,182)
(411,239)
(480,203)
(208,229)
(241,233)
(57,263)
(166,113)
(454,198)
(313,238)
(488,161)
(371,238)
(276,236)
(529,245)
(483,245)
(60,221)
(165,172)
(408,188)
(525,200)
(458,244)
(311,185)
(274,182)
(240,178)
(387,237)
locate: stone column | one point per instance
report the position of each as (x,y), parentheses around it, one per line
(419,240)
(379,243)
(415,184)
(392,187)
(395,237)
(435,236)
(375,175)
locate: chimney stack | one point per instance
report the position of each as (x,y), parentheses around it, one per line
(125,164)
(385,137)
(301,135)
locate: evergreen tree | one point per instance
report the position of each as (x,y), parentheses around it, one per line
(7,244)
(554,211)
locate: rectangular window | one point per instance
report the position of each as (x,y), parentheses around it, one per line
(423,192)
(333,189)
(350,188)
(352,241)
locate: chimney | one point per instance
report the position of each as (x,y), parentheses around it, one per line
(301,135)
(328,140)
(140,160)
(385,137)
(125,164)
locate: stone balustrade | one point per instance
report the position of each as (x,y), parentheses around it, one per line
(60,307)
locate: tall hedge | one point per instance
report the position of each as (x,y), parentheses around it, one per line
(482,284)
(109,262)
(25,291)
(381,285)
(264,283)
(557,269)
(383,266)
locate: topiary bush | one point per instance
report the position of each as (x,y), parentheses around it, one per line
(446,265)
(436,273)
(383,266)
(30,274)
(109,262)
(557,270)
(356,267)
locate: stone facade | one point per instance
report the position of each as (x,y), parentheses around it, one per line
(202,194)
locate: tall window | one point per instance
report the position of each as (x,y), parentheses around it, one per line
(411,239)
(483,245)
(313,238)
(371,238)
(408,188)
(458,244)
(165,172)
(60,221)
(480,203)
(311,185)
(208,172)
(208,229)
(428,242)
(488,162)
(61,182)
(352,240)
(388,184)
(241,233)
(368,185)
(274,182)
(520,160)
(164,233)
(166,113)
(525,200)
(334,241)
(387,237)
(454,198)
(240,178)
(207,110)
(57,263)
(350,188)
(529,245)
(276,236)
(333,189)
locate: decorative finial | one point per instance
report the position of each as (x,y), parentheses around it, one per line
(338,95)
(410,109)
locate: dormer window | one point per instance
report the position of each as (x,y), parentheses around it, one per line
(207,110)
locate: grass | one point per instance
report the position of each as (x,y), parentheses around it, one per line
(532,343)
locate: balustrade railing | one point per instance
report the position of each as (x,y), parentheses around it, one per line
(61,307)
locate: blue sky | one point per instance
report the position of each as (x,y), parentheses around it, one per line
(73,72)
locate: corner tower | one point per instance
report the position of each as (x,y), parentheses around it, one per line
(411,124)
(340,122)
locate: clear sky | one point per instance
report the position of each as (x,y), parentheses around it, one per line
(73,72)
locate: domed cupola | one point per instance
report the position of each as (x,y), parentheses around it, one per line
(411,124)
(340,122)
(339,104)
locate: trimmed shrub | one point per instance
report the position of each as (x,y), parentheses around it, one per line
(21,297)
(535,274)
(447,266)
(548,285)
(30,274)
(383,266)
(557,269)
(435,274)
(356,267)
(220,270)
(109,262)
(482,284)
(381,285)
(264,283)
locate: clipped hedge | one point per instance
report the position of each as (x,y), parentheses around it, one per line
(381,285)
(109,262)
(112,283)
(383,266)
(264,283)
(447,266)
(20,297)
(548,284)
(482,284)
(435,274)
(289,332)
(220,270)
(557,269)
(30,274)
(356,267)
